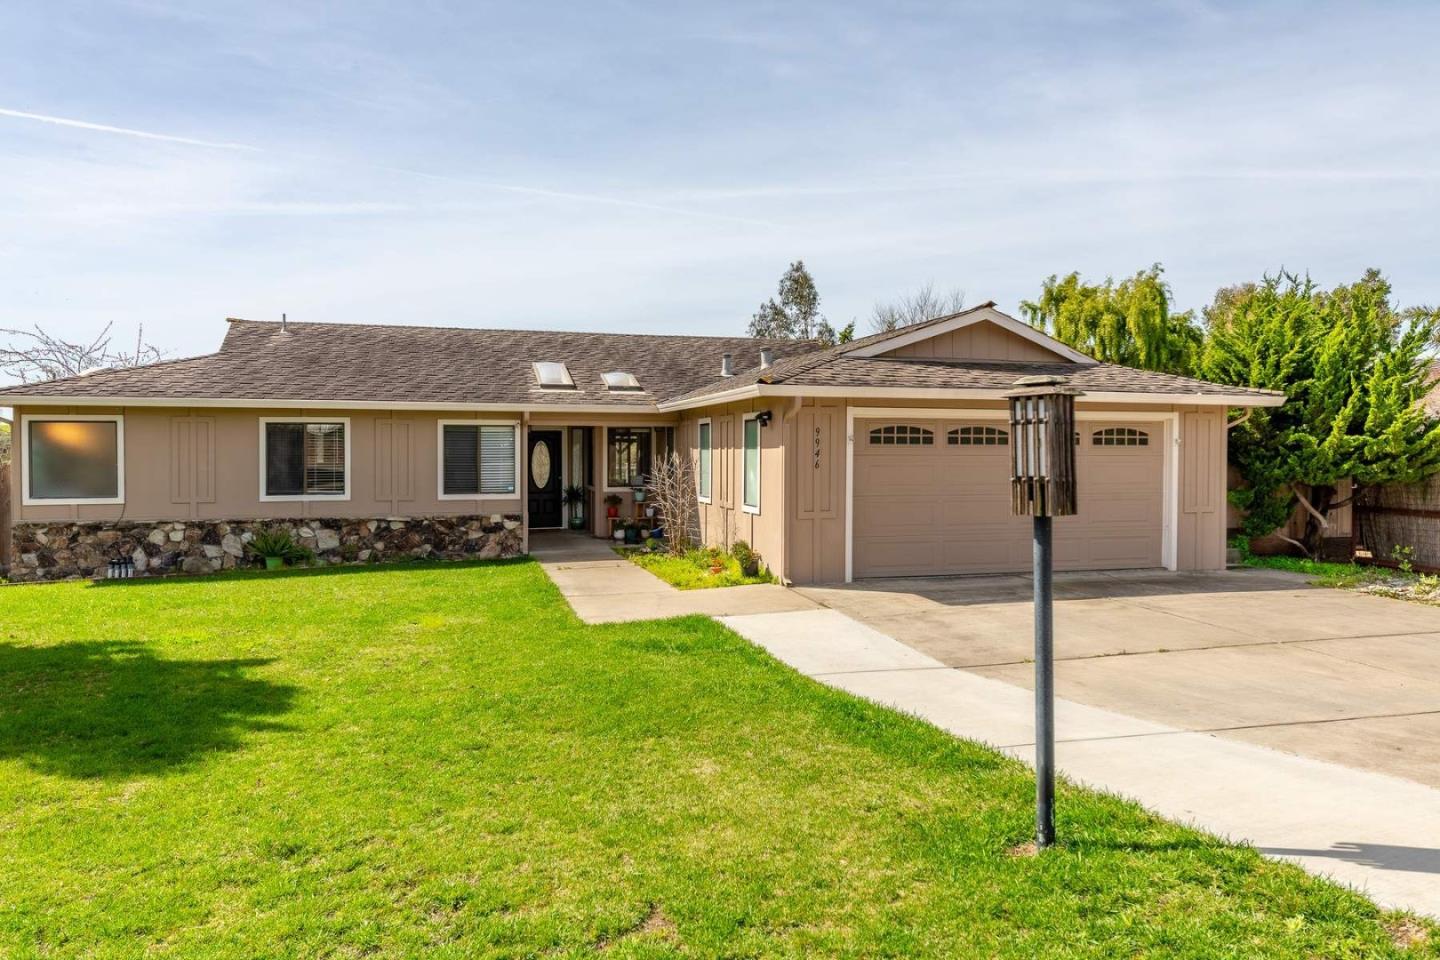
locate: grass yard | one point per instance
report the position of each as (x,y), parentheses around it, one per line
(441,761)
(692,570)
(1381,581)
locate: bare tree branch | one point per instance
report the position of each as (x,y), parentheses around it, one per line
(37,355)
(924,304)
(672,489)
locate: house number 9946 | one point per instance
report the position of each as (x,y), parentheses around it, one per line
(817,448)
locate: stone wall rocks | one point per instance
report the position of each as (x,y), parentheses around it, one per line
(65,550)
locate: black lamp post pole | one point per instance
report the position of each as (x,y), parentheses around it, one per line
(1044,687)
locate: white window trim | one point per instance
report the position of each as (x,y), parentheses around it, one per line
(305,497)
(605,455)
(759,462)
(705,421)
(440,493)
(26,500)
(1170,475)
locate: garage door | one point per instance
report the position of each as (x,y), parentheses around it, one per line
(932,497)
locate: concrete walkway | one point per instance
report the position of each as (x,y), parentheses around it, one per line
(604,587)
(1377,833)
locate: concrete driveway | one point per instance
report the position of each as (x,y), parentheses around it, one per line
(1256,656)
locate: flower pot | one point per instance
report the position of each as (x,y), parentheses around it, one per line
(639,495)
(632,534)
(619,533)
(577,523)
(274,563)
(612,511)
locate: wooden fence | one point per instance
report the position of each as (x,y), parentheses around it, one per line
(4,517)
(1400,522)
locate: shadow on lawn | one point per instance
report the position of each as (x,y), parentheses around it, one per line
(99,709)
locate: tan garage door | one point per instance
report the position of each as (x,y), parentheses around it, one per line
(932,497)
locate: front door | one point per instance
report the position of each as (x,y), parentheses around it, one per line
(544,482)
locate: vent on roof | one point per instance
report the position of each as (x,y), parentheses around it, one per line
(727,368)
(620,380)
(767,358)
(553,376)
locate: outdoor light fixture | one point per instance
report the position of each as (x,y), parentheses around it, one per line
(763,418)
(1042,485)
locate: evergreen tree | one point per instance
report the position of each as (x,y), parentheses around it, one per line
(1355,370)
(796,315)
(1130,323)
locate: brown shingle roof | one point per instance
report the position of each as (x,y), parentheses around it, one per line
(324,362)
(334,362)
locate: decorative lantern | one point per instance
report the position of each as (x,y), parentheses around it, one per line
(1042,447)
(1042,486)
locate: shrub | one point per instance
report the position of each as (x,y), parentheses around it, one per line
(277,542)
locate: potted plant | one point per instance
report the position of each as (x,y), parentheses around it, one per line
(619,533)
(574,498)
(276,547)
(632,533)
(612,504)
(748,559)
(717,562)
(639,492)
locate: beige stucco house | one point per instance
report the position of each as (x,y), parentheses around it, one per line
(887,456)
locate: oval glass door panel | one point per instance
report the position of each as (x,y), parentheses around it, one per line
(540,465)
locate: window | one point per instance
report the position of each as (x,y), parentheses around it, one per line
(619,380)
(627,456)
(71,460)
(553,376)
(1120,437)
(901,435)
(304,458)
(750,490)
(478,459)
(978,437)
(706,459)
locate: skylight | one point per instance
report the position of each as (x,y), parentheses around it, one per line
(553,376)
(620,380)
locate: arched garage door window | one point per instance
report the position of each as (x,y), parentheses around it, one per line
(1120,437)
(901,435)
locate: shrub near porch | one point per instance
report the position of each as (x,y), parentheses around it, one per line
(692,570)
(442,761)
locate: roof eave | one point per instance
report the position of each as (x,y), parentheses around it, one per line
(966,393)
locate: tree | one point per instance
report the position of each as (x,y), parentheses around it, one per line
(1355,369)
(671,487)
(4,443)
(924,304)
(796,316)
(1130,323)
(36,355)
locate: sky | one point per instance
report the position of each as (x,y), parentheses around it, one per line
(655,167)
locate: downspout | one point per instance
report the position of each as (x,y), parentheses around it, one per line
(1243,417)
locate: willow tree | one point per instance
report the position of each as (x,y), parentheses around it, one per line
(1356,371)
(1130,323)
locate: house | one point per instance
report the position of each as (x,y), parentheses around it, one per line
(887,456)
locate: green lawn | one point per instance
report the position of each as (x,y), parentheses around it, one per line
(442,761)
(691,571)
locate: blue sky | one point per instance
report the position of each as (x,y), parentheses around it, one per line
(654,167)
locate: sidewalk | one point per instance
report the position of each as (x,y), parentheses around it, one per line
(1359,828)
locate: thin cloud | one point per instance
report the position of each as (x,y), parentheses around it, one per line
(486,184)
(124,131)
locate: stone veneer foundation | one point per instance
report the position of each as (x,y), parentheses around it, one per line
(66,550)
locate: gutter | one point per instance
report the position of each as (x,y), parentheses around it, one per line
(950,393)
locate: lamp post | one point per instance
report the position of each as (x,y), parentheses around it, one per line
(1042,486)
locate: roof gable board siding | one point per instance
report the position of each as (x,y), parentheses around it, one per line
(976,341)
(891,345)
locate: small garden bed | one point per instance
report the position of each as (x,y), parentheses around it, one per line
(1399,584)
(697,569)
